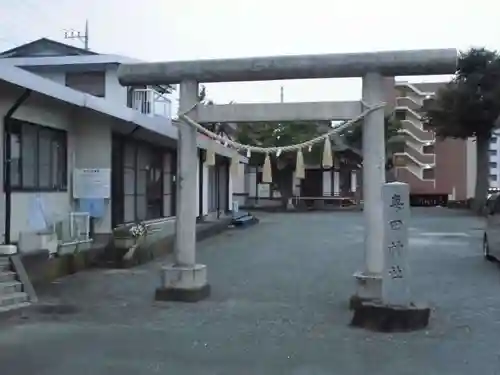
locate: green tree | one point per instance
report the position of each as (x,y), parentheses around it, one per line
(202,96)
(469,106)
(394,141)
(288,133)
(268,134)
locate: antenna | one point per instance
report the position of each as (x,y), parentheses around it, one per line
(84,38)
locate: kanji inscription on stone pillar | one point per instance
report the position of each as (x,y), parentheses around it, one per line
(396,278)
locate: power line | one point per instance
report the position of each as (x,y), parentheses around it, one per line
(84,38)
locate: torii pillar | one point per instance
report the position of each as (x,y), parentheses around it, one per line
(186,280)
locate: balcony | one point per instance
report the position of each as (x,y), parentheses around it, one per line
(423,159)
(408,87)
(419,184)
(150,102)
(411,128)
(409,102)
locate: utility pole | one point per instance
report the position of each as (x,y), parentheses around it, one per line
(84,38)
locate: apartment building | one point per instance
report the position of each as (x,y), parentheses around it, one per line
(432,167)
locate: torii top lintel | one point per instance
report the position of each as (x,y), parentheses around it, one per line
(387,63)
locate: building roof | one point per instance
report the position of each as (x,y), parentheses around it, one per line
(45,47)
(157,125)
(47,53)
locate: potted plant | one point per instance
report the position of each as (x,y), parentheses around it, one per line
(138,232)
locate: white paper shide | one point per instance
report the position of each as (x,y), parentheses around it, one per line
(396,278)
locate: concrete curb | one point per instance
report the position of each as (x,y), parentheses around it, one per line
(42,269)
(280,210)
(114,258)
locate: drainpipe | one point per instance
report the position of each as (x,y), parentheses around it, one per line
(7,162)
(201,182)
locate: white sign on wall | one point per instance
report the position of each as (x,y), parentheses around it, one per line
(396,278)
(264,190)
(92,183)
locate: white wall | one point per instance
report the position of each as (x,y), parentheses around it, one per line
(205,189)
(90,147)
(238,181)
(237,186)
(45,112)
(252,182)
(115,91)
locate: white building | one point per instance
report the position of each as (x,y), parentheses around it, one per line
(63,110)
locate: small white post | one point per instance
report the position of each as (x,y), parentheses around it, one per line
(354,181)
(336,183)
(236,208)
(327,183)
(396,277)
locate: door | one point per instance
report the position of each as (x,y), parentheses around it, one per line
(117,181)
(213,190)
(312,184)
(154,187)
(345,182)
(223,184)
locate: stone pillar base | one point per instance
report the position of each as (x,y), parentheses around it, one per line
(368,288)
(183,283)
(386,318)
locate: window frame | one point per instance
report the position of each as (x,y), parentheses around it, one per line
(60,136)
(429,149)
(155,155)
(427,177)
(79,81)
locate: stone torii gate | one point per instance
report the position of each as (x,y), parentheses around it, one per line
(185,279)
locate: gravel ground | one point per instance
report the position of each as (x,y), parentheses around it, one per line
(278,306)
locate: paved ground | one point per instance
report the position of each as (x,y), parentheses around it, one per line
(279,306)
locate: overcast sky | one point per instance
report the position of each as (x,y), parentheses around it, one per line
(193,29)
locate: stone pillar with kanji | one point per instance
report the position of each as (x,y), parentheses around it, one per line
(396,276)
(396,310)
